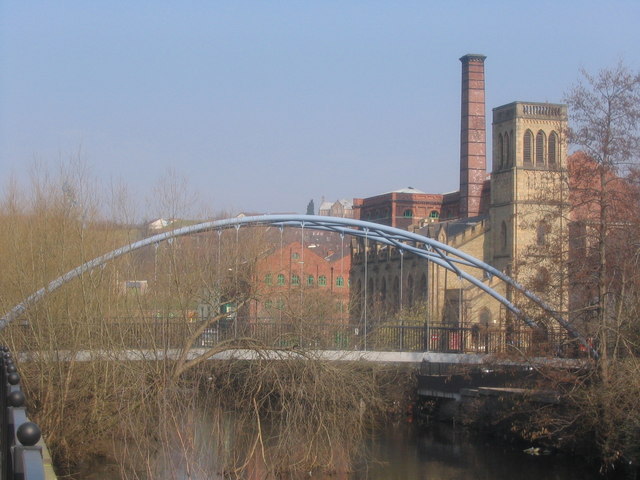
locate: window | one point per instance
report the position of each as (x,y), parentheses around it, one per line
(540,153)
(485,317)
(503,236)
(422,288)
(322,281)
(281,280)
(268,304)
(552,154)
(295,279)
(527,147)
(542,233)
(267,279)
(310,281)
(295,256)
(501,150)
(339,282)
(408,213)
(507,150)
(541,279)
(434,214)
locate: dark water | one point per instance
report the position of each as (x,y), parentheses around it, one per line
(443,453)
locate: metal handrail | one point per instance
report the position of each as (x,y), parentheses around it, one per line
(23,455)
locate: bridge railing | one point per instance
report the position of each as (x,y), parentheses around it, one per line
(171,333)
(22,454)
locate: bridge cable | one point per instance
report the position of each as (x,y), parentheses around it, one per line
(366,282)
(279,301)
(341,272)
(235,279)
(401,279)
(301,286)
(218,281)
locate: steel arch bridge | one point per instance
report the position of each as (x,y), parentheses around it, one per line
(433,251)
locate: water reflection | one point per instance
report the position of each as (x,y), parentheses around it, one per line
(444,453)
(398,451)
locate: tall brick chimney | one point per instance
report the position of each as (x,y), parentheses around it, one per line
(473,152)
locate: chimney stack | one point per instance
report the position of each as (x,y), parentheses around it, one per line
(473,153)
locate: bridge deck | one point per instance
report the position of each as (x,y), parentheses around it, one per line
(415,358)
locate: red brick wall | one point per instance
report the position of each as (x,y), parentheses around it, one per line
(293,259)
(473,156)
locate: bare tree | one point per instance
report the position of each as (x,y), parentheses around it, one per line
(604,114)
(605,121)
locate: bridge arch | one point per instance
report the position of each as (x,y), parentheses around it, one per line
(433,251)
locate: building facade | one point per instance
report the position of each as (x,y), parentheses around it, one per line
(295,280)
(513,219)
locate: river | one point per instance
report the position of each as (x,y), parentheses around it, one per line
(401,451)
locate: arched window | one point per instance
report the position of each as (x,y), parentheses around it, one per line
(541,279)
(396,293)
(295,279)
(267,279)
(339,282)
(503,236)
(540,153)
(501,150)
(527,147)
(485,317)
(281,280)
(434,215)
(422,288)
(408,213)
(322,281)
(310,281)
(507,150)
(542,232)
(410,291)
(552,154)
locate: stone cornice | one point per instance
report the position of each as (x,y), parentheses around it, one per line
(473,57)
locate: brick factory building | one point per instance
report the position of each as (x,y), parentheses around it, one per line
(507,218)
(296,280)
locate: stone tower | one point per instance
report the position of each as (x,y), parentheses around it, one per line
(529,195)
(473,163)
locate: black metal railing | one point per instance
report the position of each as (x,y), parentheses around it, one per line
(170,333)
(21,454)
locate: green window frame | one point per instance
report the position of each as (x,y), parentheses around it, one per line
(295,279)
(339,282)
(310,281)
(281,279)
(322,281)
(268,279)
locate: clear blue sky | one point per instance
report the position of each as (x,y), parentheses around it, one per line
(265,105)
